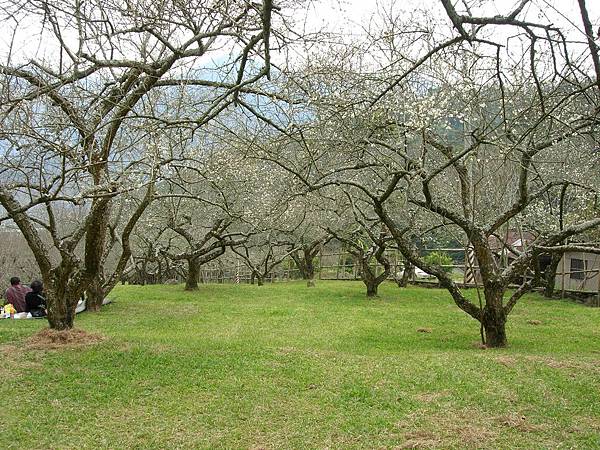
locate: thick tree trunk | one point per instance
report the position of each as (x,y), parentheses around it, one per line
(306,269)
(60,317)
(407,275)
(495,333)
(96,247)
(63,287)
(95,295)
(305,266)
(309,271)
(191,282)
(550,275)
(61,303)
(368,278)
(143,273)
(259,280)
(494,318)
(371,289)
(306,272)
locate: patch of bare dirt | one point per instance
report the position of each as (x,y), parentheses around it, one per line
(479,345)
(424,330)
(428,397)
(534,322)
(573,365)
(585,424)
(420,439)
(506,361)
(473,435)
(554,364)
(520,423)
(7,349)
(16,361)
(9,354)
(286,350)
(49,339)
(443,429)
(469,436)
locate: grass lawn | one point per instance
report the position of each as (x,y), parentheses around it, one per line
(285,366)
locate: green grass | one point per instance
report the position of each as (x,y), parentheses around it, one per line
(285,366)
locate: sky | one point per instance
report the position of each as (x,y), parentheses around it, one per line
(348,16)
(351,15)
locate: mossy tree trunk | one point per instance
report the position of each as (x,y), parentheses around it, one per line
(304,262)
(95,295)
(191,281)
(550,275)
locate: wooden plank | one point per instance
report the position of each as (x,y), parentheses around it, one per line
(562,295)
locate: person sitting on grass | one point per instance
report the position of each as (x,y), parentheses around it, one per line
(16,293)
(36,303)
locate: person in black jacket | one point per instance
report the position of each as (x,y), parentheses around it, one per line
(35,301)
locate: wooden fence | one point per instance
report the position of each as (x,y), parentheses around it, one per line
(330,266)
(342,266)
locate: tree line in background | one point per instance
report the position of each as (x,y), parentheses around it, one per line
(171,134)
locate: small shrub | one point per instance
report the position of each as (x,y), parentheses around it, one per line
(440,259)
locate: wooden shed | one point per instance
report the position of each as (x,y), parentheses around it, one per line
(579,271)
